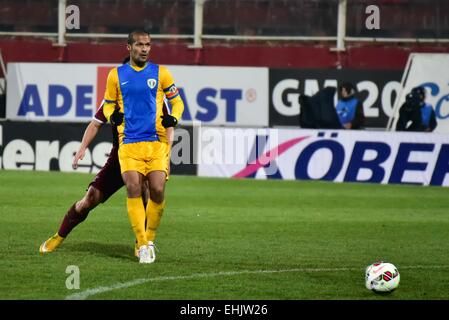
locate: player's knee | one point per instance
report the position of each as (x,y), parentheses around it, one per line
(92,199)
(134,190)
(157,194)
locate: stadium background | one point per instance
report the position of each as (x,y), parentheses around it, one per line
(294,39)
(284,40)
(304,41)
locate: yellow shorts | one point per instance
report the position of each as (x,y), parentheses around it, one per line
(144,157)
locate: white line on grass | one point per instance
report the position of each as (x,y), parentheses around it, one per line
(90,292)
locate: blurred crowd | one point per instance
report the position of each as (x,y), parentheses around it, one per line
(398,18)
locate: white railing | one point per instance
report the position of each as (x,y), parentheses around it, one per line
(123,35)
(198,35)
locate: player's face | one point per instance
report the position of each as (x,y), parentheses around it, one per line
(140,49)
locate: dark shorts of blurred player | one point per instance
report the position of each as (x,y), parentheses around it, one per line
(109,179)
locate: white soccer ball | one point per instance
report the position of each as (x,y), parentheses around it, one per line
(382,277)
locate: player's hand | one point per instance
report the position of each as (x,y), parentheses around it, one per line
(78,156)
(169,121)
(116,118)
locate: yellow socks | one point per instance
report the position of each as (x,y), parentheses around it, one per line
(154,213)
(136,214)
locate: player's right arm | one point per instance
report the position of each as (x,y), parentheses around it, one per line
(89,134)
(111,94)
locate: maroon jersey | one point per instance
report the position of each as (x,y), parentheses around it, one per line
(99,116)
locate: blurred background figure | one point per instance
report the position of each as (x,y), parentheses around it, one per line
(349,107)
(415,114)
(318,111)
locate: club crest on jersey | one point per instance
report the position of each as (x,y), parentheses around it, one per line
(151,83)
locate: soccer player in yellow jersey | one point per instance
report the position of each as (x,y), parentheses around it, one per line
(134,102)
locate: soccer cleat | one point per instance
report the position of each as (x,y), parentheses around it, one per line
(51,244)
(144,255)
(152,250)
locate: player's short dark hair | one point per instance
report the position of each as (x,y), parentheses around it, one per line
(131,35)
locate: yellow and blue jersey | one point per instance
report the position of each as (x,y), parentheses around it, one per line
(140,93)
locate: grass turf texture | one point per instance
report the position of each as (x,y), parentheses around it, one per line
(220,225)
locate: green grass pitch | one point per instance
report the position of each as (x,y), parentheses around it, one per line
(227,239)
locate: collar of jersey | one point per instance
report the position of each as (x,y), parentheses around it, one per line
(138,68)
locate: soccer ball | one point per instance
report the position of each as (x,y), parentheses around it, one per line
(381,277)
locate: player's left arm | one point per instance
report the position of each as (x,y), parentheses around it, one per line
(172,94)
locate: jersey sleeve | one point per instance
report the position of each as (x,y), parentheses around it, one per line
(171,92)
(168,84)
(111,94)
(99,115)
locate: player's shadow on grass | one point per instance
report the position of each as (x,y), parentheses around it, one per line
(113,250)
